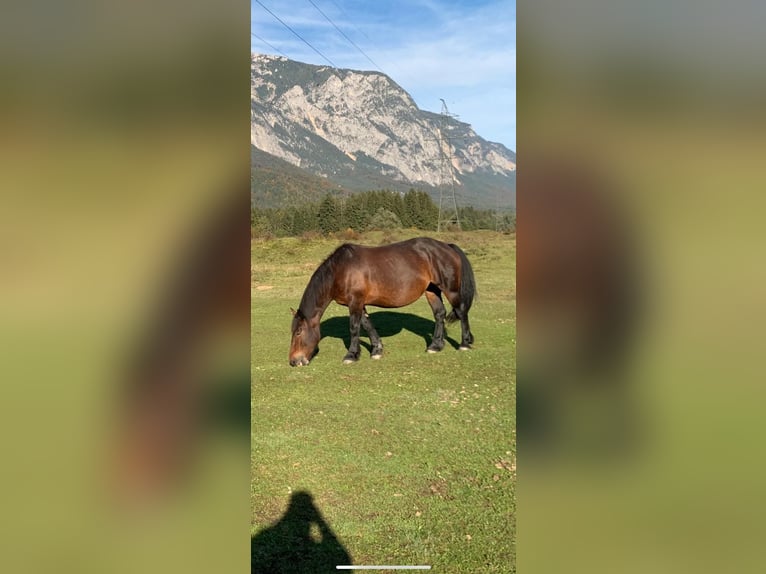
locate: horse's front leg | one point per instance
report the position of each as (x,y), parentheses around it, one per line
(377,344)
(354,322)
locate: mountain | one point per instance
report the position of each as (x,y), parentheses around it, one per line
(361,131)
(275,182)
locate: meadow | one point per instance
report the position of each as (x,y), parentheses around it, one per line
(409,460)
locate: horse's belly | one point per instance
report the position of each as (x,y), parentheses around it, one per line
(396,294)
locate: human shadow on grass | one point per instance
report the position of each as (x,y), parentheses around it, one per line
(301,542)
(387,324)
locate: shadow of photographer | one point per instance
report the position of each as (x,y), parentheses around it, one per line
(301,542)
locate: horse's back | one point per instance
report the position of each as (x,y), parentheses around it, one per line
(391,275)
(417,246)
(424,254)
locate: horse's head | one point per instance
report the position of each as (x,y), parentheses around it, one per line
(305,341)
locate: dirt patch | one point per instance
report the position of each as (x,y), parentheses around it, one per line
(437,488)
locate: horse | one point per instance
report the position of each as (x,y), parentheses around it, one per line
(387,276)
(580,287)
(170,393)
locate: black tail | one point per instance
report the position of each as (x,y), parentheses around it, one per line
(467,286)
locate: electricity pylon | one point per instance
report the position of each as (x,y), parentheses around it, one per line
(448,212)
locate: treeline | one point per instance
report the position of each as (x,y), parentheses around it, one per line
(382,209)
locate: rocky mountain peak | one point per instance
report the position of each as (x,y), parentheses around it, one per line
(358,127)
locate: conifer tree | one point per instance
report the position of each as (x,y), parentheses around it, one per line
(328,215)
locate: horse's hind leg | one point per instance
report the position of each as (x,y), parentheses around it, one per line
(377,344)
(467,336)
(437,306)
(465,328)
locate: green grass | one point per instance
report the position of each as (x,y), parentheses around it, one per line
(410,459)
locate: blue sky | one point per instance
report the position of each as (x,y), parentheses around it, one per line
(462,51)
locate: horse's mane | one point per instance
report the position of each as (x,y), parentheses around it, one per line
(317,291)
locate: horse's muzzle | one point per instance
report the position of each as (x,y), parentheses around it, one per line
(301,361)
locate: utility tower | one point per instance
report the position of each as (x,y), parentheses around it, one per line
(448,212)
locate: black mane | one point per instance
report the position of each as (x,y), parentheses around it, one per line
(317,291)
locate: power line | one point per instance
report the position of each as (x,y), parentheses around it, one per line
(296,33)
(370,40)
(269,45)
(342,33)
(339,7)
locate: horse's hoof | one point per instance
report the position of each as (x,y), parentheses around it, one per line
(430,350)
(376,357)
(463,348)
(349,360)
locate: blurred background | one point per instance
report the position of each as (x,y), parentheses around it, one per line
(640,280)
(124,300)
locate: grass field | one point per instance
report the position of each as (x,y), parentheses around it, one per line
(410,459)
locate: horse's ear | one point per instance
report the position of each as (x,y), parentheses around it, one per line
(292,311)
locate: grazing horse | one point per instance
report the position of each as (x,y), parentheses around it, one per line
(388,276)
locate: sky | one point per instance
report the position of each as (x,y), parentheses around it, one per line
(461,51)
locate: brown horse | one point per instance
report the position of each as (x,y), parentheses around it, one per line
(389,276)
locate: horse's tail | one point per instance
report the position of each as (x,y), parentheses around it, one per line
(467,289)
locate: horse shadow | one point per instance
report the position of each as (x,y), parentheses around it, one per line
(301,542)
(387,324)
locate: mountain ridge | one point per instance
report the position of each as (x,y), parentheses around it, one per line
(361,130)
